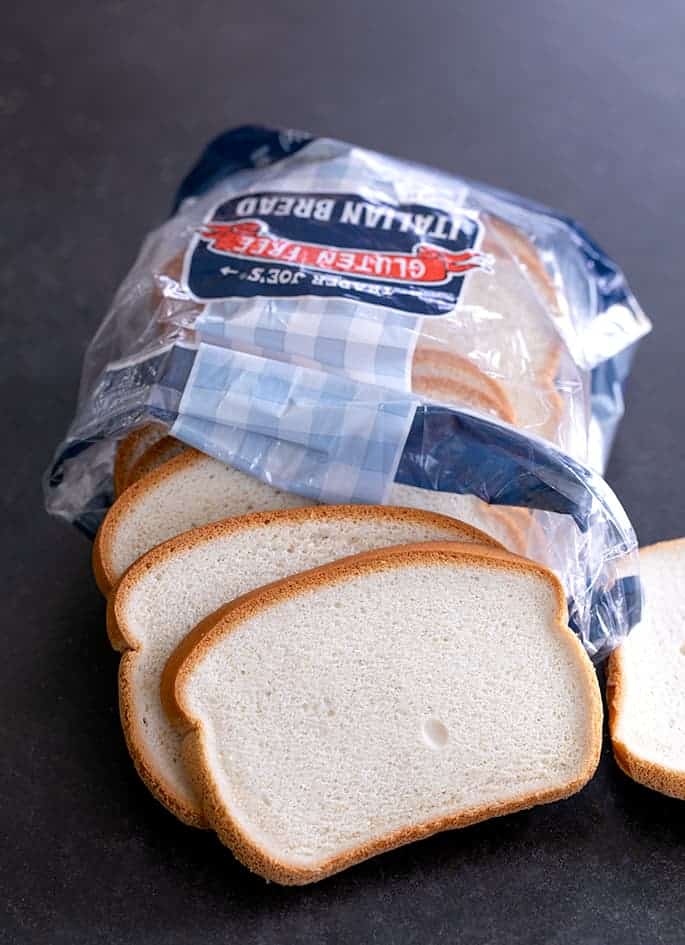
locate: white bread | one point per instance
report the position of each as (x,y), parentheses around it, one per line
(172,588)
(154,456)
(193,489)
(189,490)
(646,678)
(130,449)
(457,393)
(374,701)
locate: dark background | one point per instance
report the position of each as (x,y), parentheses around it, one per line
(103,107)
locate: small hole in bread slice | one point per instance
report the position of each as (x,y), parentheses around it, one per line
(435,733)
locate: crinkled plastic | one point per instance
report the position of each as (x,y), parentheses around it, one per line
(356,328)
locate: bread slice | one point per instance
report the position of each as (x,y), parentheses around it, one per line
(374,701)
(646,678)
(434,369)
(193,489)
(458,393)
(172,588)
(154,456)
(527,257)
(189,490)
(130,449)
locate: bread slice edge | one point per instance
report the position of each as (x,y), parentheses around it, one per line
(101,556)
(657,777)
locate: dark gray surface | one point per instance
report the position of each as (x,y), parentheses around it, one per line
(103,106)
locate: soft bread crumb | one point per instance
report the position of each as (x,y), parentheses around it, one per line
(311,701)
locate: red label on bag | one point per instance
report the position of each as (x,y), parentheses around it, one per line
(428,264)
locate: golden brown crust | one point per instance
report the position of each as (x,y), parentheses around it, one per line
(100,574)
(247,850)
(130,449)
(124,641)
(468,377)
(116,638)
(157,787)
(556,403)
(105,575)
(156,455)
(661,778)
(449,391)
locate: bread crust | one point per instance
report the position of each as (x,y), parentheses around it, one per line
(101,560)
(661,778)
(556,403)
(125,642)
(130,449)
(156,785)
(514,524)
(220,818)
(156,455)
(458,377)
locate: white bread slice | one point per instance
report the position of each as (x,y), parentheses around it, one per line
(527,257)
(176,585)
(130,449)
(193,489)
(646,678)
(157,454)
(508,526)
(189,490)
(374,701)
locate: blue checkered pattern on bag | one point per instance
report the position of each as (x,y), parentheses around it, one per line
(318,434)
(370,346)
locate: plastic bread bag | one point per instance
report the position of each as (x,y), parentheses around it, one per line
(356,328)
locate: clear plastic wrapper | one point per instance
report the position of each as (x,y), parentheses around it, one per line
(355,328)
